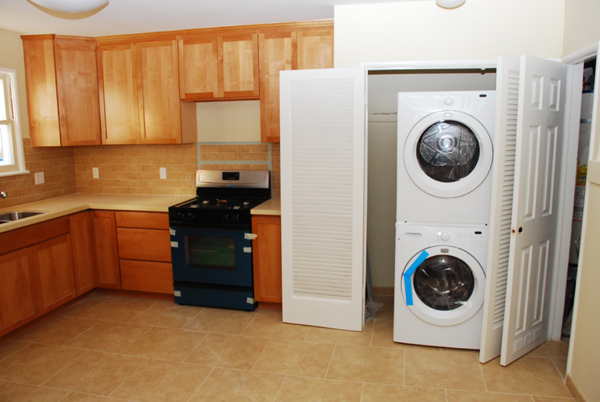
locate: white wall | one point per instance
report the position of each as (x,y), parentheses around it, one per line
(11,56)
(581,24)
(237,121)
(420,30)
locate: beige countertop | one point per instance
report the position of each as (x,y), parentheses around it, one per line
(70,204)
(271,207)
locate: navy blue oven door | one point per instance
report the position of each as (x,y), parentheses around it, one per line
(212,256)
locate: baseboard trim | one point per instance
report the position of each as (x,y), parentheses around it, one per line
(575,391)
(383,290)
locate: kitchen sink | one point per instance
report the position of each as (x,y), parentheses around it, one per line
(15,216)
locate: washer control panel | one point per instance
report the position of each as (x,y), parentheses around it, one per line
(459,236)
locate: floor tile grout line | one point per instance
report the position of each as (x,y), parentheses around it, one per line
(135,340)
(362,391)
(330,360)
(280,387)
(260,354)
(482,375)
(128,377)
(206,334)
(62,369)
(201,384)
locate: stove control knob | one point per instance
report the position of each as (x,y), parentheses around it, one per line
(235,218)
(189,216)
(181,216)
(225,218)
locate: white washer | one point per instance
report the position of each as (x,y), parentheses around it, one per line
(439,285)
(445,155)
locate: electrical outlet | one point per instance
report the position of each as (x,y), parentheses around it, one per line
(39,178)
(163,173)
(95,173)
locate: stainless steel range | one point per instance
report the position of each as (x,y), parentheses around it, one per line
(211,239)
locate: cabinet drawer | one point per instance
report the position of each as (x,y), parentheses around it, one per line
(145,276)
(146,220)
(144,244)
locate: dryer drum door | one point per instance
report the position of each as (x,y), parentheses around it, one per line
(448,287)
(448,154)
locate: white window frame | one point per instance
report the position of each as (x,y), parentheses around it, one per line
(13,143)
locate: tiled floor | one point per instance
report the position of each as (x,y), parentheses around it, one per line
(112,348)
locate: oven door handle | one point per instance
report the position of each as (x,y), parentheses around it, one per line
(250,236)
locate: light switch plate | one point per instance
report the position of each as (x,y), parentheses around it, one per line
(163,173)
(95,173)
(39,178)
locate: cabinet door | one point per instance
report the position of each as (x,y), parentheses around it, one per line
(267,258)
(105,250)
(238,66)
(198,68)
(315,49)
(147,276)
(275,56)
(83,252)
(77,88)
(158,67)
(54,266)
(42,100)
(300,49)
(17,302)
(117,84)
(144,244)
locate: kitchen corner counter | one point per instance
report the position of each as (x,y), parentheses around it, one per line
(70,204)
(270,207)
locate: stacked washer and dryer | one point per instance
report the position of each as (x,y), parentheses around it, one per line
(445,155)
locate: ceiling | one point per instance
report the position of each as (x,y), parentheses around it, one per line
(137,16)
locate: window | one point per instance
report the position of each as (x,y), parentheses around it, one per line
(12,160)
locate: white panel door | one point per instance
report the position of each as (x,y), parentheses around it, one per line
(535,216)
(323,190)
(503,175)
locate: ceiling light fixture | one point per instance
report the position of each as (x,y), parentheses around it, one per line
(71,6)
(450,3)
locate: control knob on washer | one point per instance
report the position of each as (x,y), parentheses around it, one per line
(444,236)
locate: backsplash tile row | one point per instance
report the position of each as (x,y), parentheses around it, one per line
(135,169)
(59,176)
(131,169)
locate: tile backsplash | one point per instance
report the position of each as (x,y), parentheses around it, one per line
(59,176)
(132,169)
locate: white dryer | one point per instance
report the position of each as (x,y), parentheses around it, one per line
(439,285)
(445,155)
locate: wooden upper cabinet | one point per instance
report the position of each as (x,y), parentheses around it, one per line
(276,55)
(62,90)
(166,120)
(219,67)
(291,48)
(119,104)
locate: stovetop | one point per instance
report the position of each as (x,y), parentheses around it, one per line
(224,200)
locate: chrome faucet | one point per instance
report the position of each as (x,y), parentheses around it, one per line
(3,194)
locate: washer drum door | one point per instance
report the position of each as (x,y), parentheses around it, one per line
(448,154)
(448,288)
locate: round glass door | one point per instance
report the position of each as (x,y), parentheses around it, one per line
(448,154)
(448,288)
(448,151)
(444,282)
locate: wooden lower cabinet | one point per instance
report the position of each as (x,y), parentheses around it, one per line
(267,258)
(144,243)
(54,274)
(147,276)
(83,251)
(18,295)
(104,228)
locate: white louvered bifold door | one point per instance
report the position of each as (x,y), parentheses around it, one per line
(536,212)
(505,142)
(323,148)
